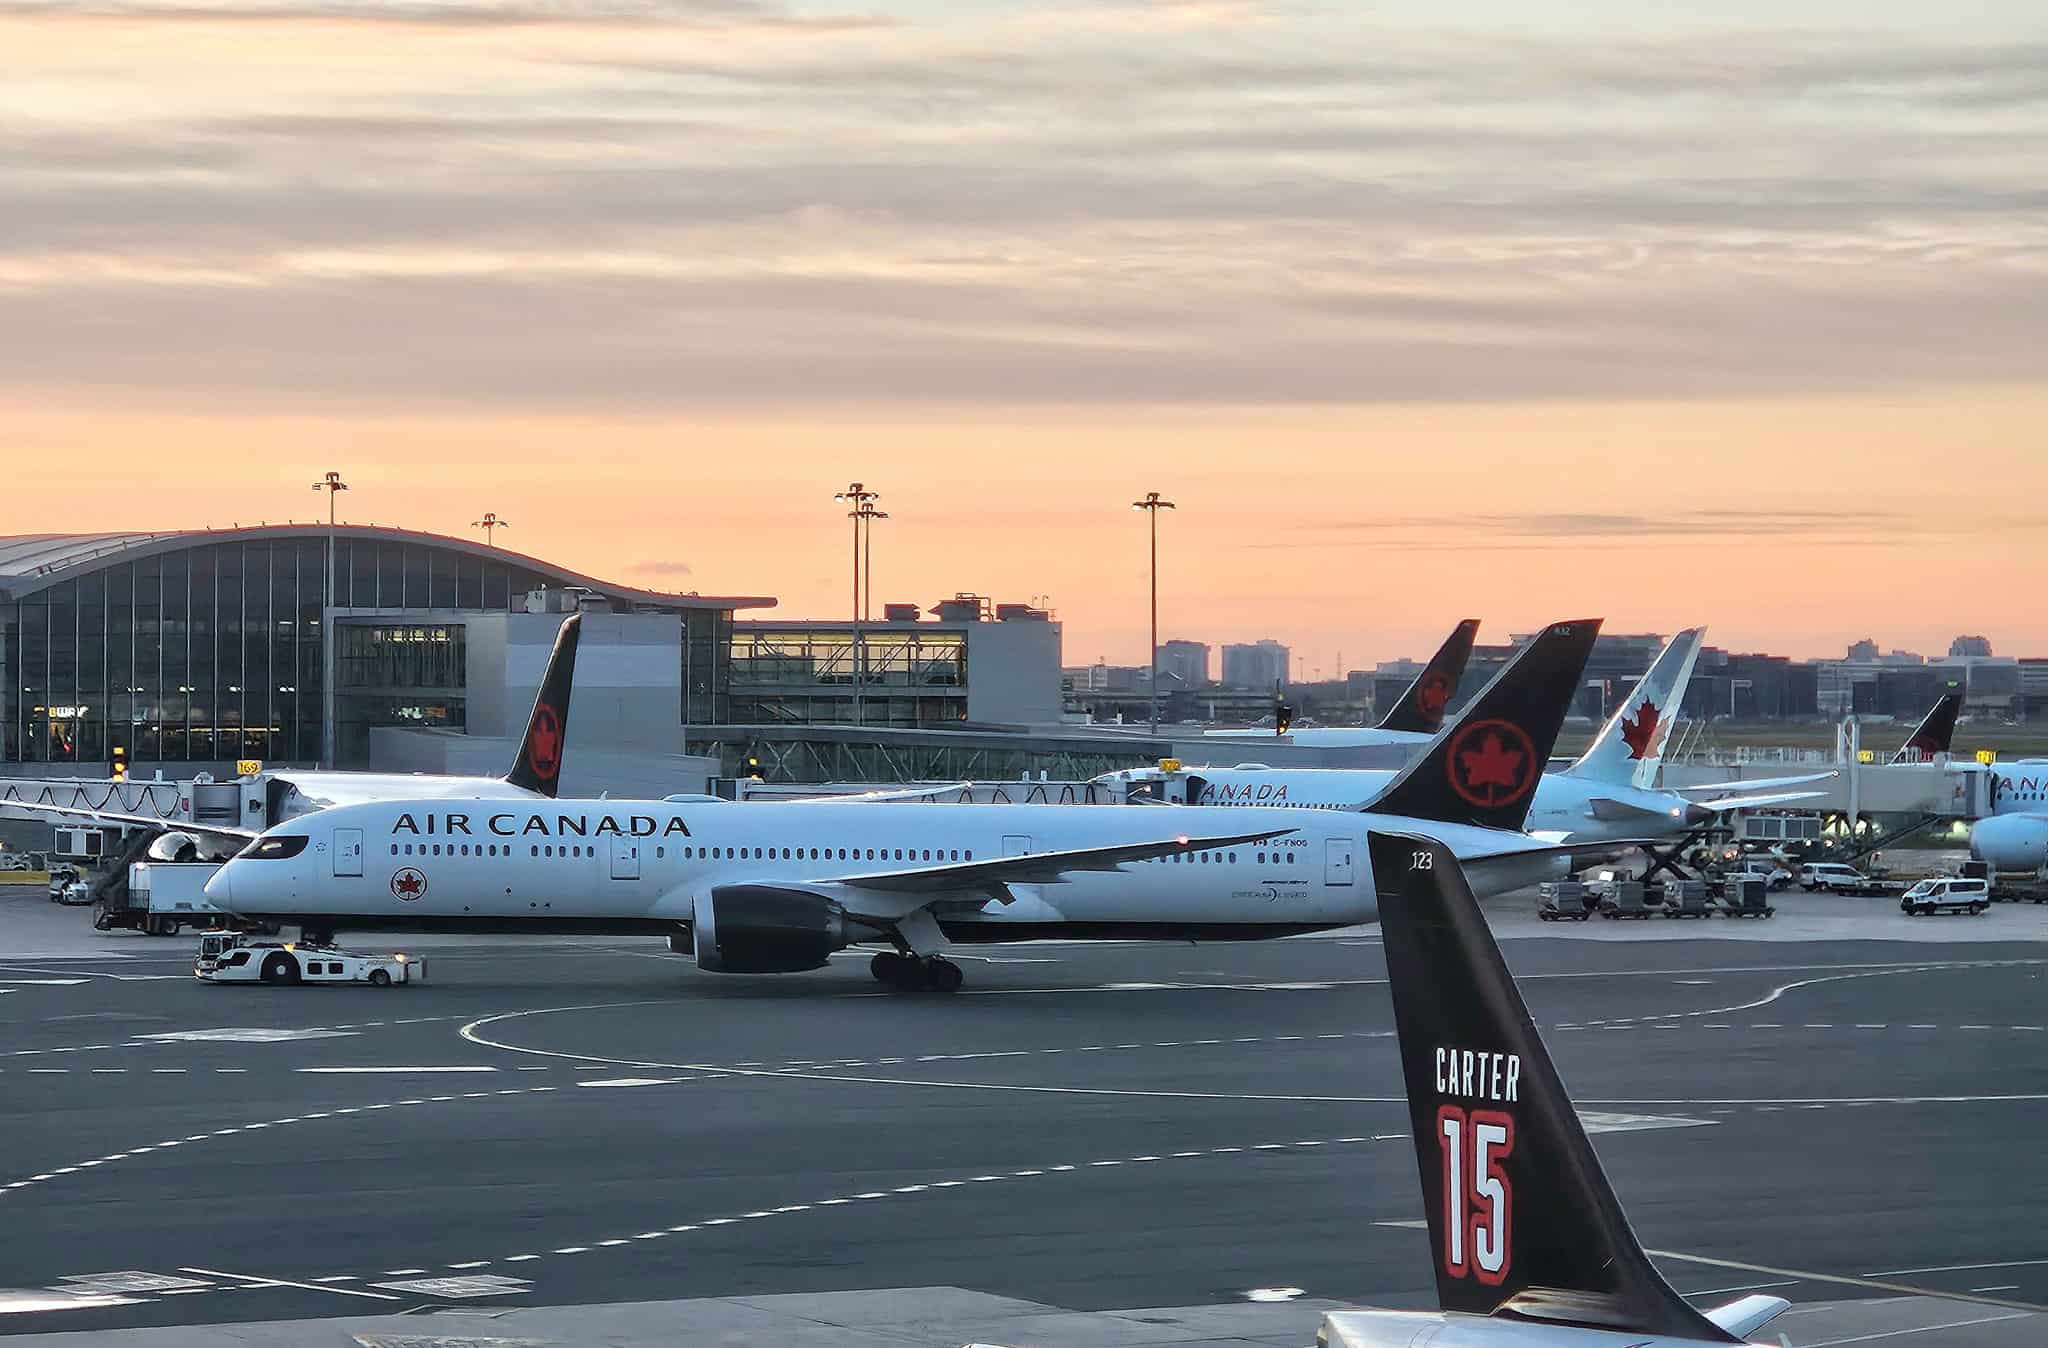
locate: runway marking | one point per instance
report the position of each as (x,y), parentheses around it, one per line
(1845,1280)
(236,1129)
(368,1071)
(253,1280)
(1923,1329)
(1956,1268)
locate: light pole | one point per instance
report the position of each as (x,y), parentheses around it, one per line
(333,486)
(866,516)
(489,522)
(1152,505)
(862,501)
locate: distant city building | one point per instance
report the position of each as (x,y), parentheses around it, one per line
(1183,665)
(1970,646)
(1258,665)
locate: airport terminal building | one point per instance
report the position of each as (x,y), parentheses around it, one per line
(197,650)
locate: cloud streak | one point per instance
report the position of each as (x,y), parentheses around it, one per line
(506,203)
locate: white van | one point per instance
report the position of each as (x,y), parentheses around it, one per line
(1946,894)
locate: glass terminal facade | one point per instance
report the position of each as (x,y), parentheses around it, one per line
(212,652)
(805,676)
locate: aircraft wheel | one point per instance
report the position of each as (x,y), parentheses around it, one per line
(887,967)
(942,975)
(279,967)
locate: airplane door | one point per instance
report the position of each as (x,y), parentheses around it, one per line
(348,852)
(1339,867)
(625,858)
(1016,844)
(1191,789)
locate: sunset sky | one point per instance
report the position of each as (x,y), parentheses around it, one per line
(1418,310)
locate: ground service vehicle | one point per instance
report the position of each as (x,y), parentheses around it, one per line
(1832,877)
(226,958)
(1946,894)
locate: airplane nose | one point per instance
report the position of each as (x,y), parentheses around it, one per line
(220,890)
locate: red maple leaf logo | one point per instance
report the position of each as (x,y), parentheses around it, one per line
(544,749)
(1433,696)
(1641,733)
(1492,764)
(408,884)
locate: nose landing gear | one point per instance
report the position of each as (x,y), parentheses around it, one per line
(913,973)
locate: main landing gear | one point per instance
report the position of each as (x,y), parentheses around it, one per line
(912,973)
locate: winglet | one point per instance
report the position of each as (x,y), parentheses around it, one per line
(1420,709)
(1483,767)
(1522,1221)
(538,765)
(1627,749)
(1935,733)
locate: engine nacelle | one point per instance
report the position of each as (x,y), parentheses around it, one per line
(2014,842)
(760,929)
(174,847)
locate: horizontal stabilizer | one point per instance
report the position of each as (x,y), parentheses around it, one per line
(1722,804)
(1746,1315)
(1610,811)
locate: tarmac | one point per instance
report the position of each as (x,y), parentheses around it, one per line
(559,1141)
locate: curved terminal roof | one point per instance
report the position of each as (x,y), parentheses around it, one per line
(32,562)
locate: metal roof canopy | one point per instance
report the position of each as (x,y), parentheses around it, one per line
(32,562)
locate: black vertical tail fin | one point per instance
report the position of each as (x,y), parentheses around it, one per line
(1420,710)
(538,764)
(1483,767)
(1522,1220)
(1935,733)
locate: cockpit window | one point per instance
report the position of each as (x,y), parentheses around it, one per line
(275,848)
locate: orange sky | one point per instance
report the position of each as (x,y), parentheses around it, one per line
(1787,525)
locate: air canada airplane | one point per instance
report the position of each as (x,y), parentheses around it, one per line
(1528,1242)
(536,769)
(1608,795)
(1411,721)
(750,888)
(1935,733)
(2014,837)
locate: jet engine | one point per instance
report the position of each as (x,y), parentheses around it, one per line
(2014,842)
(760,929)
(174,847)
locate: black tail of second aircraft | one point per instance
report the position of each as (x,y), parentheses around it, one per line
(1483,767)
(1935,733)
(1522,1220)
(538,765)
(1421,709)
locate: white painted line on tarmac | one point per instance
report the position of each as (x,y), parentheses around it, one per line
(253,1280)
(1954,1268)
(1923,1329)
(361,1071)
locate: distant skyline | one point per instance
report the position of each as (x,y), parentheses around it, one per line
(1666,315)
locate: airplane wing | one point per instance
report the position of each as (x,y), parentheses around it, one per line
(1610,811)
(34,809)
(1756,783)
(1758,801)
(1039,868)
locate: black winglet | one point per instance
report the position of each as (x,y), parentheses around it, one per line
(1522,1220)
(1483,767)
(538,765)
(1935,733)
(1420,710)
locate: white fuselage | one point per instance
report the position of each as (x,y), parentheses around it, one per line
(315,790)
(641,865)
(1566,809)
(2014,837)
